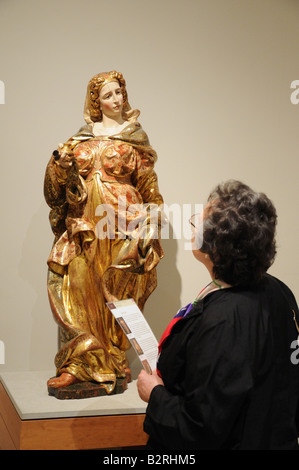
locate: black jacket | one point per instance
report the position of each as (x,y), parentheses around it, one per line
(230,373)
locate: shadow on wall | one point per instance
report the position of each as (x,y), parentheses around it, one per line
(165,300)
(33,269)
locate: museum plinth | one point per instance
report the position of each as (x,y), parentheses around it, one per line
(30,419)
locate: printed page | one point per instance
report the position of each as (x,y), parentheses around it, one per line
(138,331)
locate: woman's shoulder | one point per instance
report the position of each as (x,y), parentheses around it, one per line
(278,287)
(250,299)
(134,134)
(84,133)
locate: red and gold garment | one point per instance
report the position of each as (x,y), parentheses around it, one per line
(106,246)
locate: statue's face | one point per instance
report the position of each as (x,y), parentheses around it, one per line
(111,100)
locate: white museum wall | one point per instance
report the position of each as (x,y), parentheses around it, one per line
(212,79)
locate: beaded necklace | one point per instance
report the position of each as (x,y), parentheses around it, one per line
(211,287)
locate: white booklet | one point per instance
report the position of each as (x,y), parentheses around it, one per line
(138,331)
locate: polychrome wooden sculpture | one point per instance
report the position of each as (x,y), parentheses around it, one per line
(102,190)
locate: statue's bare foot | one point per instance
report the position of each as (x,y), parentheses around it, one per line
(63,380)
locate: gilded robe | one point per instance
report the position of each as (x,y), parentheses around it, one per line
(106,246)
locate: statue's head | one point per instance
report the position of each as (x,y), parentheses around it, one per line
(92,110)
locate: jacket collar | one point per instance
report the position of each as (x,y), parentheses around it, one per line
(199,306)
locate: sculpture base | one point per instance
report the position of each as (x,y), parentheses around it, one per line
(31,420)
(86,390)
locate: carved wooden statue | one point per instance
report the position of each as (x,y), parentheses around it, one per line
(102,190)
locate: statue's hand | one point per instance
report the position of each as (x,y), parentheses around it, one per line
(63,156)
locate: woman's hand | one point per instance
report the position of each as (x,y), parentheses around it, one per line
(146,382)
